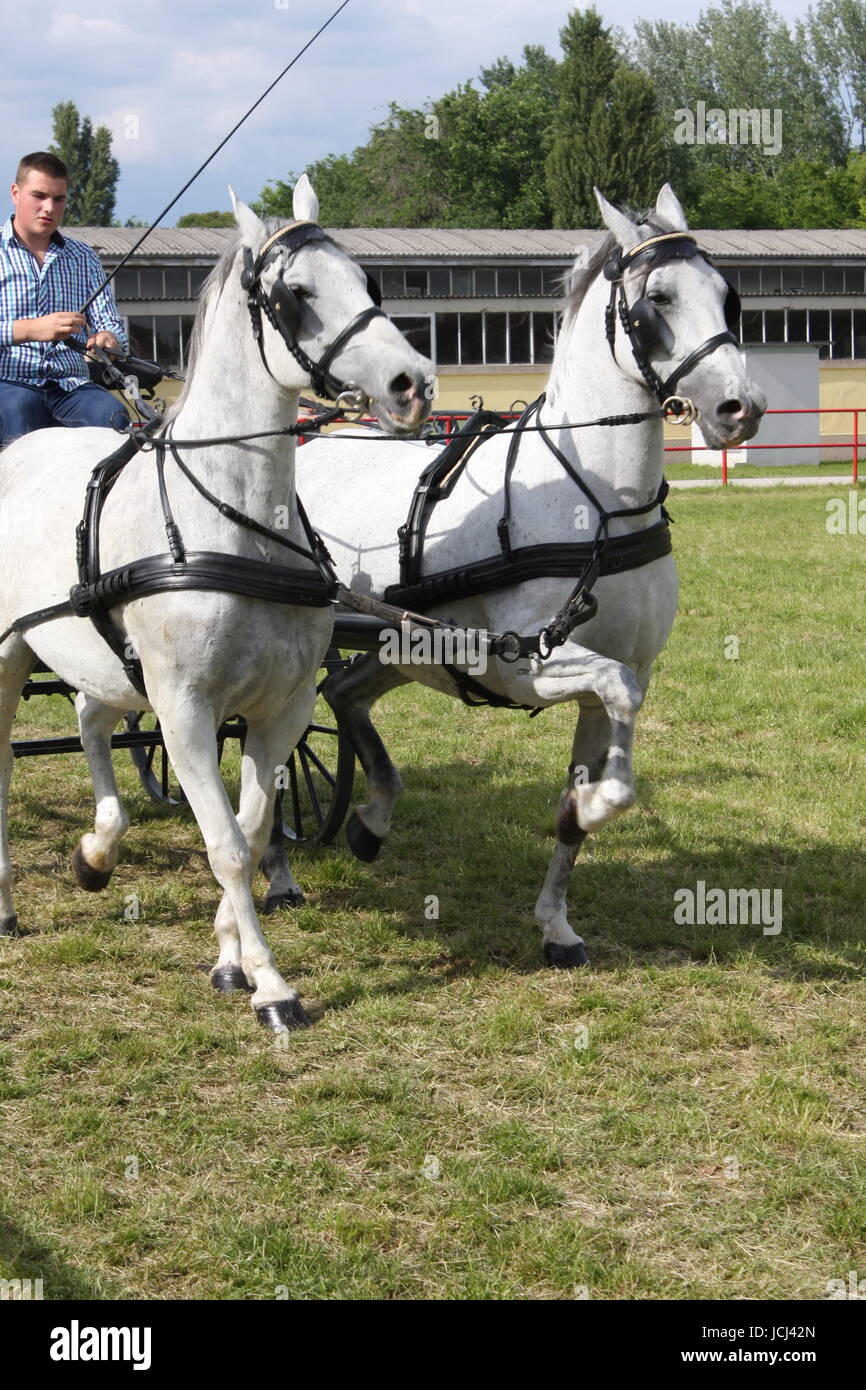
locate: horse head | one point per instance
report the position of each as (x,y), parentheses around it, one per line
(671,320)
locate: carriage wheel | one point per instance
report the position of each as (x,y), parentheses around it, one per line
(320,775)
(152,762)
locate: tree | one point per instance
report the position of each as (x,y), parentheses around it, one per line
(207,219)
(93,171)
(606,127)
(741,56)
(473,158)
(836,30)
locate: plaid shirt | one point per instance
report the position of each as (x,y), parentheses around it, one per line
(70,272)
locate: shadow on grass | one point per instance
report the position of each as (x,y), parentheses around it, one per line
(24,1256)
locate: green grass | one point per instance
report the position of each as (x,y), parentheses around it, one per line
(837,468)
(707,1142)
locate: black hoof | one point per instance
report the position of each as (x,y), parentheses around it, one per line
(93,880)
(284,1016)
(9,926)
(565,957)
(227,978)
(361,841)
(292,897)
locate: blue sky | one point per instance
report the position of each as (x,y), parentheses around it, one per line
(170,79)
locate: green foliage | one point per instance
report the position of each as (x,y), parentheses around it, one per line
(93,170)
(601,102)
(206,219)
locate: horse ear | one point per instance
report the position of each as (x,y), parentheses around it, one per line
(622,227)
(305,204)
(252,229)
(669,211)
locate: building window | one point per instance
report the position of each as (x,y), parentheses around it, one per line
(485,282)
(416,283)
(792,279)
(853,280)
(440,283)
(530,281)
(519,333)
(168,341)
(752,326)
(447,340)
(860,332)
(197,276)
(813,279)
(774,325)
(508,282)
(551,280)
(416,330)
(495,337)
(840,333)
(771,279)
(750,279)
(393,286)
(186,324)
(834,279)
(471,339)
(461,282)
(140,333)
(543,331)
(819,330)
(125,284)
(150,282)
(176,282)
(796,325)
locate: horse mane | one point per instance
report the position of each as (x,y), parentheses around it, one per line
(208,297)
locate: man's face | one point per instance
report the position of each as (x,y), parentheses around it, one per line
(39,202)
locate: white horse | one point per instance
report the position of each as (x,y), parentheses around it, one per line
(205,655)
(359,494)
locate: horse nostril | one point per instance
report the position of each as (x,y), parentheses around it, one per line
(401,385)
(734,409)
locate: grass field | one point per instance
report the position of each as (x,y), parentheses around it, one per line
(685,1119)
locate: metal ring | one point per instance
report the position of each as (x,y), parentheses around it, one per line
(508,647)
(353,401)
(680,410)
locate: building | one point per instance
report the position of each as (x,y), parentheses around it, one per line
(484,304)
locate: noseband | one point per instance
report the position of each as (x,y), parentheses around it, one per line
(283,311)
(641,320)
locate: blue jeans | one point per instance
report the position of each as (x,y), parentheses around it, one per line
(26,408)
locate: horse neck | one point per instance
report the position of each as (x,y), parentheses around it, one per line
(623,464)
(230,393)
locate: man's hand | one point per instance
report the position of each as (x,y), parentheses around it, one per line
(105,340)
(51,328)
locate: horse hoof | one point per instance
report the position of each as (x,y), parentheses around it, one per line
(9,926)
(92,880)
(361,841)
(291,897)
(565,957)
(283,1016)
(227,978)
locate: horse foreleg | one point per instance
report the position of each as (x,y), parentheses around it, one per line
(234,845)
(96,855)
(600,786)
(351,693)
(15,667)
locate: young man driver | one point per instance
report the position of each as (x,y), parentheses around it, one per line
(44,279)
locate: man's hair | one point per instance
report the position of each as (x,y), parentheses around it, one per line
(45,163)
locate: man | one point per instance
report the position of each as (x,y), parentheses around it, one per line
(44,280)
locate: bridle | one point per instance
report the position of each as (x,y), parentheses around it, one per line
(283,311)
(643,324)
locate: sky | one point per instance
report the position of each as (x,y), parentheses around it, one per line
(170,78)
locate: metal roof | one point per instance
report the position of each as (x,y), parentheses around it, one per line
(370,243)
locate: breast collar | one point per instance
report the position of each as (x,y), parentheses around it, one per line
(282,311)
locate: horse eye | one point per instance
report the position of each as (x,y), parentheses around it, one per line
(658,298)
